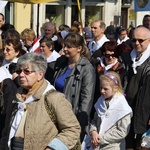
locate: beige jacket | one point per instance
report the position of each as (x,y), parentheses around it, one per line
(40,130)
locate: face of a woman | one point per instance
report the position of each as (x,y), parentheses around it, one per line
(27,42)
(9,53)
(46,51)
(107,90)
(72,52)
(28,77)
(109,57)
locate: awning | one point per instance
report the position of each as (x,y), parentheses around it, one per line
(31,1)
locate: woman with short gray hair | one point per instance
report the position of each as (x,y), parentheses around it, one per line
(39,114)
(38,62)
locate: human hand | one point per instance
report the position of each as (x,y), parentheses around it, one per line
(95,138)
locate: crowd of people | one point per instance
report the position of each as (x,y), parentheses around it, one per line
(74,88)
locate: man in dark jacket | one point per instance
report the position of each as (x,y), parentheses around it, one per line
(111,31)
(137,91)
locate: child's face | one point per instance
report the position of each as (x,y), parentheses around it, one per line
(108,89)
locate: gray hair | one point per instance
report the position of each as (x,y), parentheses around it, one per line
(101,23)
(49,24)
(37,61)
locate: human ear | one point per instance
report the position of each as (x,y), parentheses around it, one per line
(40,75)
(79,48)
(116,88)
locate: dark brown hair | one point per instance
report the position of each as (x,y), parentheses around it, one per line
(16,45)
(76,40)
(109,46)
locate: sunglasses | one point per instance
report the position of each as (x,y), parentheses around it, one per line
(25,71)
(139,40)
(109,55)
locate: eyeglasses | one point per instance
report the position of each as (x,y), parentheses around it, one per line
(47,30)
(139,40)
(25,71)
(109,55)
(7,49)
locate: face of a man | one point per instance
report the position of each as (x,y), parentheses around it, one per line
(2,21)
(146,22)
(49,30)
(96,30)
(123,34)
(141,39)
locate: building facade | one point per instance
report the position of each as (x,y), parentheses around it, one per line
(66,11)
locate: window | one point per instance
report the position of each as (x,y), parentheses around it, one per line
(8,12)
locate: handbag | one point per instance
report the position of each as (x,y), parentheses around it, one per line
(53,118)
(17,143)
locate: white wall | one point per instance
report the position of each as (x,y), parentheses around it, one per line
(139,17)
(111,9)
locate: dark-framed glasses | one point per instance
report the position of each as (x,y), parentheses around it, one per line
(139,40)
(7,49)
(25,71)
(109,55)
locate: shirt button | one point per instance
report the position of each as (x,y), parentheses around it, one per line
(73,96)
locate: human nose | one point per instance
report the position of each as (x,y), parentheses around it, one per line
(21,74)
(137,42)
(41,48)
(102,90)
(5,50)
(65,48)
(92,29)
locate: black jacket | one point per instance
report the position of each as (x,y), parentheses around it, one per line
(138,96)
(9,90)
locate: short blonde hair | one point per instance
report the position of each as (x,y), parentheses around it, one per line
(28,34)
(113,78)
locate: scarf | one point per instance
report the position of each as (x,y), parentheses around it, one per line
(20,112)
(118,108)
(53,57)
(106,68)
(95,45)
(144,56)
(121,41)
(6,63)
(4,74)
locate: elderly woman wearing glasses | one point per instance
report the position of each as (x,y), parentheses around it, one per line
(41,118)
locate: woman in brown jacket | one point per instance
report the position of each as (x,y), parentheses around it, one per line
(40,118)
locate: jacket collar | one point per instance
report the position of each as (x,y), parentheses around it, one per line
(40,90)
(77,69)
(37,93)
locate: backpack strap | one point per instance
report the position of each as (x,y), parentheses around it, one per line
(54,120)
(48,108)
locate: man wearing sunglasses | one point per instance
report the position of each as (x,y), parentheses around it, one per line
(137,91)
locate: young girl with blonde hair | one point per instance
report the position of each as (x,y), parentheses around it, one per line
(112,118)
